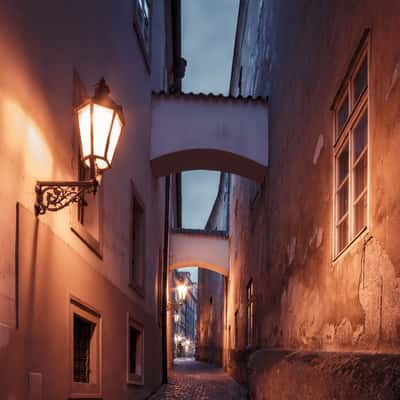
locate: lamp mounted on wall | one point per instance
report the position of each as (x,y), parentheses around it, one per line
(100,122)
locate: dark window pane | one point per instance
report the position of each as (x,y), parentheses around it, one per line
(343,164)
(343,234)
(361,135)
(360,214)
(343,201)
(361,80)
(360,176)
(133,341)
(83,331)
(343,114)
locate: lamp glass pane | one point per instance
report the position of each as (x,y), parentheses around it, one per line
(115,132)
(102,117)
(84,129)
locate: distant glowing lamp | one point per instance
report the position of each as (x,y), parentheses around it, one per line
(100,122)
(177,338)
(177,317)
(182,290)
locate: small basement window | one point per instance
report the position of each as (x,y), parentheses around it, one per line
(135,353)
(83,332)
(85,348)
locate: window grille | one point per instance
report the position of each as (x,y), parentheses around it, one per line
(83,331)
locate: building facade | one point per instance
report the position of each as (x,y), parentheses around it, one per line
(211,307)
(314,259)
(184,315)
(80,289)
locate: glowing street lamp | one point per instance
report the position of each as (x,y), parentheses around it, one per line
(177,338)
(100,122)
(177,317)
(182,290)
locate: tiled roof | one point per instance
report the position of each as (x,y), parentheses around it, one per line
(212,96)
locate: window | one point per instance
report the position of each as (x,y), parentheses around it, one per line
(351,154)
(135,353)
(236,327)
(85,349)
(250,313)
(142,24)
(137,243)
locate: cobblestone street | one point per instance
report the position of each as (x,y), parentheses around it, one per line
(193,380)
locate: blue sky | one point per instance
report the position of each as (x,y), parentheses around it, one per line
(208,34)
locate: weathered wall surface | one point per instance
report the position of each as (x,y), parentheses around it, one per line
(275,374)
(50,272)
(40,45)
(210,317)
(281,231)
(211,306)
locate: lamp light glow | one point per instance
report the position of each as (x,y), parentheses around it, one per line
(177,317)
(182,291)
(100,122)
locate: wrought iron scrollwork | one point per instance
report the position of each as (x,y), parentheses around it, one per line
(54,196)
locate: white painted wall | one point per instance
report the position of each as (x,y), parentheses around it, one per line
(190,132)
(203,250)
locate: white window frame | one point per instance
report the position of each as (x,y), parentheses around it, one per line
(357,108)
(138,21)
(93,389)
(135,379)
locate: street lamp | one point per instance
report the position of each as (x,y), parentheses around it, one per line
(177,317)
(100,122)
(182,292)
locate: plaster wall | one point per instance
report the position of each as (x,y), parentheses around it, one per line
(40,46)
(214,133)
(281,231)
(210,323)
(208,250)
(211,320)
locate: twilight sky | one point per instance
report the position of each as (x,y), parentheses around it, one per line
(208,34)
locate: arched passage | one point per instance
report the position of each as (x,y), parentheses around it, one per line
(200,264)
(209,132)
(208,250)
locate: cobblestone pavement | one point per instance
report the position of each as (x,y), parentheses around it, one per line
(193,380)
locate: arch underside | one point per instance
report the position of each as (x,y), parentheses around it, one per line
(200,264)
(190,132)
(211,159)
(199,249)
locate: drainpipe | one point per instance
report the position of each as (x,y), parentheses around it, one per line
(165,283)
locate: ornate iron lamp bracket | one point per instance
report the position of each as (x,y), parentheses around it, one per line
(54,196)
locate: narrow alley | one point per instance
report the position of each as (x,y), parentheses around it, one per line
(191,379)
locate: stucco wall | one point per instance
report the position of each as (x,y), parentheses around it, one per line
(211,307)
(281,231)
(40,45)
(210,317)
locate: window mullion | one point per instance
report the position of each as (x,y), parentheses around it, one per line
(351,184)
